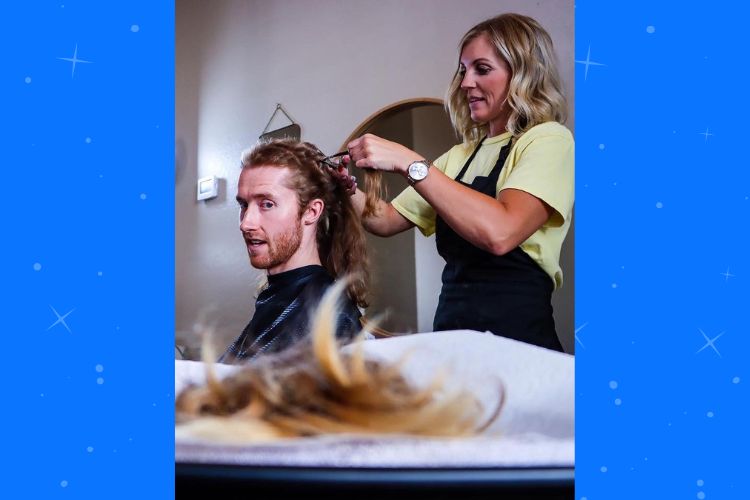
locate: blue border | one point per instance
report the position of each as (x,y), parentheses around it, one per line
(662,271)
(662,274)
(88,210)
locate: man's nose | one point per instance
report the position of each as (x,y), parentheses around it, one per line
(248,219)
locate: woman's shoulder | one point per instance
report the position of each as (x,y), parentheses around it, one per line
(461,149)
(453,156)
(546,129)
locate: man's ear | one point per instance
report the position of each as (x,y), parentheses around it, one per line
(313,211)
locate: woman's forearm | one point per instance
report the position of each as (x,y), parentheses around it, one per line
(494,225)
(385,221)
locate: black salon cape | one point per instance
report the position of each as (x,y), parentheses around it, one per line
(282,314)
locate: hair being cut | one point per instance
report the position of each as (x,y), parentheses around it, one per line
(314,388)
(341,240)
(535,93)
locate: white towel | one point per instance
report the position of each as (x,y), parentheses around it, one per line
(535,428)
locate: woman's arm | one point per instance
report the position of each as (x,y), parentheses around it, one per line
(386,221)
(495,225)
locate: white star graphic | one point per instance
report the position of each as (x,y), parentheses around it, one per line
(74,60)
(710,342)
(576,334)
(706,133)
(588,62)
(61,319)
(727,275)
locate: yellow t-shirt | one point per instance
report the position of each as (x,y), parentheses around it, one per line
(541,163)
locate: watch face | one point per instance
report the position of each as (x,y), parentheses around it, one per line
(418,170)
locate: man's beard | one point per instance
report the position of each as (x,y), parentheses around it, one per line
(280,249)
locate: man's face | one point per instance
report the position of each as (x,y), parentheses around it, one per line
(269,218)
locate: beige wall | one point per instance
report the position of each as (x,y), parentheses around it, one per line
(331,63)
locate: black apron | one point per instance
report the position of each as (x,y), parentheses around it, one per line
(508,295)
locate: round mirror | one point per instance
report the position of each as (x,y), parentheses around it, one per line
(406,267)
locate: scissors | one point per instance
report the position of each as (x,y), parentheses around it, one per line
(334,161)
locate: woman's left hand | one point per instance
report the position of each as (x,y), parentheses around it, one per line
(371,151)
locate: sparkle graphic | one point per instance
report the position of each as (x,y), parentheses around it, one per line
(710,342)
(576,334)
(74,60)
(61,319)
(588,62)
(727,275)
(706,133)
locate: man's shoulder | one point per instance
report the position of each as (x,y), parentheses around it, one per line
(319,281)
(348,314)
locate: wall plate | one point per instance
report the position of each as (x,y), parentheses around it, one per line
(208,187)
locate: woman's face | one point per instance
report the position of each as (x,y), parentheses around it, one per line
(485,82)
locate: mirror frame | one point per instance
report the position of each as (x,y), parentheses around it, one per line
(385,112)
(389,110)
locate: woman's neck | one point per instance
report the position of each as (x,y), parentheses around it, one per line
(499,125)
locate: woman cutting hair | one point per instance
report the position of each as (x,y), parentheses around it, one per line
(500,203)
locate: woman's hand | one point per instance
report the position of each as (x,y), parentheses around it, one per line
(342,176)
(371,151)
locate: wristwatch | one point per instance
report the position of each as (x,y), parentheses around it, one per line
(417,171)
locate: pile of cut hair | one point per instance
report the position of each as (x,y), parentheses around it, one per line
(316,388)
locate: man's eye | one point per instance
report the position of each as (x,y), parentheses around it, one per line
(265,204)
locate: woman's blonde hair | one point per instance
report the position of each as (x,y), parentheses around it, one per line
(535,93)
(342,246)
(314,388)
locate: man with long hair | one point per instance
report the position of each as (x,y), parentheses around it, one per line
(299,224)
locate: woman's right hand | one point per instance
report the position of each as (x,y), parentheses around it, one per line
(371,151)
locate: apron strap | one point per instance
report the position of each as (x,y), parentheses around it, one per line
(504,153)
(468,162)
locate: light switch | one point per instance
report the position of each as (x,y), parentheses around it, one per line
(208,187)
